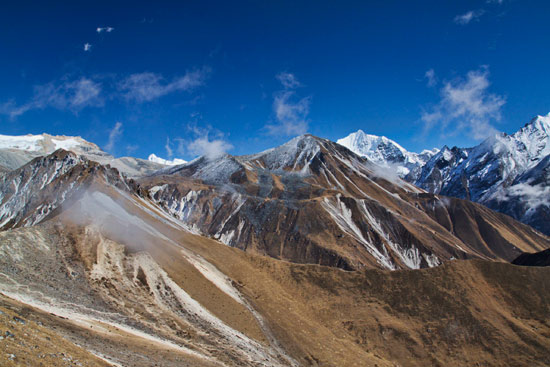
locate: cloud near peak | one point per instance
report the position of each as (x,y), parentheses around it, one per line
(290,111)
(466,105)
(114,134)
(204,142)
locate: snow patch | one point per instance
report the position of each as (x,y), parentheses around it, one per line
(167,162)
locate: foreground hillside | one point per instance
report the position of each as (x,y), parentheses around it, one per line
(203,303)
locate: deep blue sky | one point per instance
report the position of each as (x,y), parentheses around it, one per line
(358,65)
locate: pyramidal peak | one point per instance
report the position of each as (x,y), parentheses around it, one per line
(386,152)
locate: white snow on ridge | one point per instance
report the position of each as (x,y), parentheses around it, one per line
(21,142)
(156,159)
(67,144)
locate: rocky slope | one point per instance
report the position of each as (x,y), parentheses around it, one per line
(314,201)
(31,193)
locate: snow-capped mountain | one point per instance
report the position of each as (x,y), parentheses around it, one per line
(15,151)
(501,172)
(167,162)
(386,152)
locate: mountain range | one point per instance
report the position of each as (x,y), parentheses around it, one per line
(507,173)
(306,254)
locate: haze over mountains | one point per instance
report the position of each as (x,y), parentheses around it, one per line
(215,261)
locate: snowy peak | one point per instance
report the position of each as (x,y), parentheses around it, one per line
(378,149)
(386,152)
(167,162)
(535,136)
(293,155)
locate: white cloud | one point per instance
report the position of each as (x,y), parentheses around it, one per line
(73,95)
(104,29)
(468,16)
(209,148)
(467,104)
(430,76)
(87,46)
(145,87)
(288,80)
(168,147)
(290,112)
(532,196)
(114,134)
(205,142)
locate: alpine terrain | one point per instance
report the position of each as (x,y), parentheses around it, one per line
(507,173)
(306,254)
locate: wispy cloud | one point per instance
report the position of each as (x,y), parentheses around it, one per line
(87,47)
(466,105)
(146,87)
(288,80)
(114,134)
(66,94)
(104,29)
(71,93)
(205,142)
(168,147)
(431,79)
(467,17)
(131,148)
(290,111)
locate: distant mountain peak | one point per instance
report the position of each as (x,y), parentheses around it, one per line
(167,162)
(46,143)
(386,152)
(15,151)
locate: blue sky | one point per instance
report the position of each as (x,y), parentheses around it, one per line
(181,78)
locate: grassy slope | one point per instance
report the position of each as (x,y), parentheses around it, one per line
(462,313)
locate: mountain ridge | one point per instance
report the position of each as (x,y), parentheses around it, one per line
(487,173)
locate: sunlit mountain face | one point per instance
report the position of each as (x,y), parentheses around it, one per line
(274,184)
